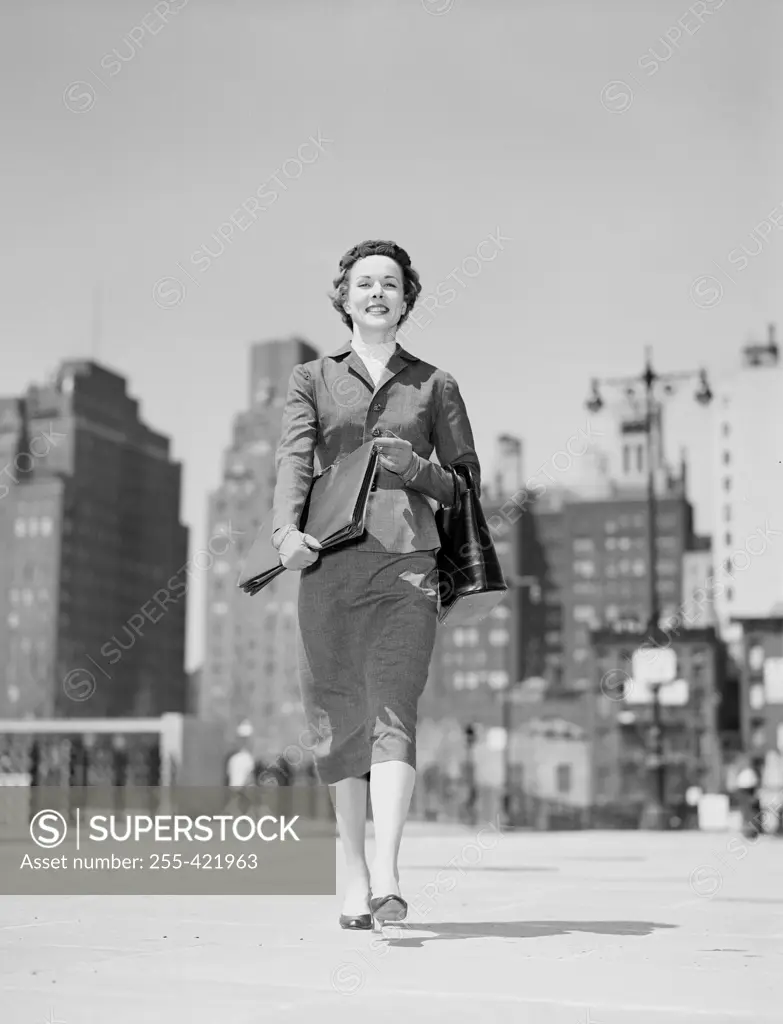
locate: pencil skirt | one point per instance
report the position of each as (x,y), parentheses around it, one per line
(367,623)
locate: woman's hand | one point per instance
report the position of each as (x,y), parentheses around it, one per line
(395,454)
(298,550)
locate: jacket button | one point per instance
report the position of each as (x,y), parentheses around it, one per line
(377,407)
(376,432)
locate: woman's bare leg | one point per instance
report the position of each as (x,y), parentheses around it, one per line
(391,788)
(349,797)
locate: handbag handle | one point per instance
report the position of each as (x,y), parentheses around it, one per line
(467,472)
(457,504)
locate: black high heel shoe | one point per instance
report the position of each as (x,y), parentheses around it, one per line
(357,922)
(388,909)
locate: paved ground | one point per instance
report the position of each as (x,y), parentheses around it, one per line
(554,928)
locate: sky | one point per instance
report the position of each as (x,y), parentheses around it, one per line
(627,158)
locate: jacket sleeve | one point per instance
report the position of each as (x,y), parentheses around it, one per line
(295,451)
(453,443)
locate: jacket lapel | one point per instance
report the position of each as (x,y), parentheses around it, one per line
(398,360)
(355,363)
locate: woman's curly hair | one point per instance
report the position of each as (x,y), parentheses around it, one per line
(375,247)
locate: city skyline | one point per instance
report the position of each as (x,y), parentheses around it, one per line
(613,228)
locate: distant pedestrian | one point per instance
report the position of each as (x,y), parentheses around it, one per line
(747,786)
(240,770)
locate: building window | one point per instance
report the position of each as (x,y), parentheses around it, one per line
(756,657)
(466,637)
(725,429)
(756,696)
(727,540)
(639,567)
(552,637)
(497,680)
(610,526)
(729,593)
(563,778)
(584,567)
(500,612)
(639,458)
(583,545)
(726,458)
(727,483)
(20,527)
(727,513)
(624,543)
(639,520)
(498,637)
(611,543)
(220,608)
(581,654)
(584,613)
(667,567)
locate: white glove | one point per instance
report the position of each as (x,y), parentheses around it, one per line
(298,550)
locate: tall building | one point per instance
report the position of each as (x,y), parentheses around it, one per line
(250,667)
(93,555)
(761,688)
(472,665)
(748,540)
(698,593)
(592,557)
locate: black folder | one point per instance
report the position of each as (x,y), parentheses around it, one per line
(334,512)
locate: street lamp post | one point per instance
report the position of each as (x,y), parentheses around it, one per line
(650,382)
(655,815)
(515,584)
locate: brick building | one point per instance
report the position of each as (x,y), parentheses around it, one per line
(92,553)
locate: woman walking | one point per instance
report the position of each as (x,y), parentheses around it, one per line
(368,608)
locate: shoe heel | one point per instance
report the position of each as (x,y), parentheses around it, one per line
(388,909)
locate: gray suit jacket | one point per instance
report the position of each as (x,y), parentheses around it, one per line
(332,408)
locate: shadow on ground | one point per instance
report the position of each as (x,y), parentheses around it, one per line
(397,935)
(477,867)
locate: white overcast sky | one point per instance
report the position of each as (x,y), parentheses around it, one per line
(444,128)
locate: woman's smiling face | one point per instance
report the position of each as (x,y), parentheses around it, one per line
(376,294)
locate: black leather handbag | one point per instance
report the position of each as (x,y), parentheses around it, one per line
(470,580)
